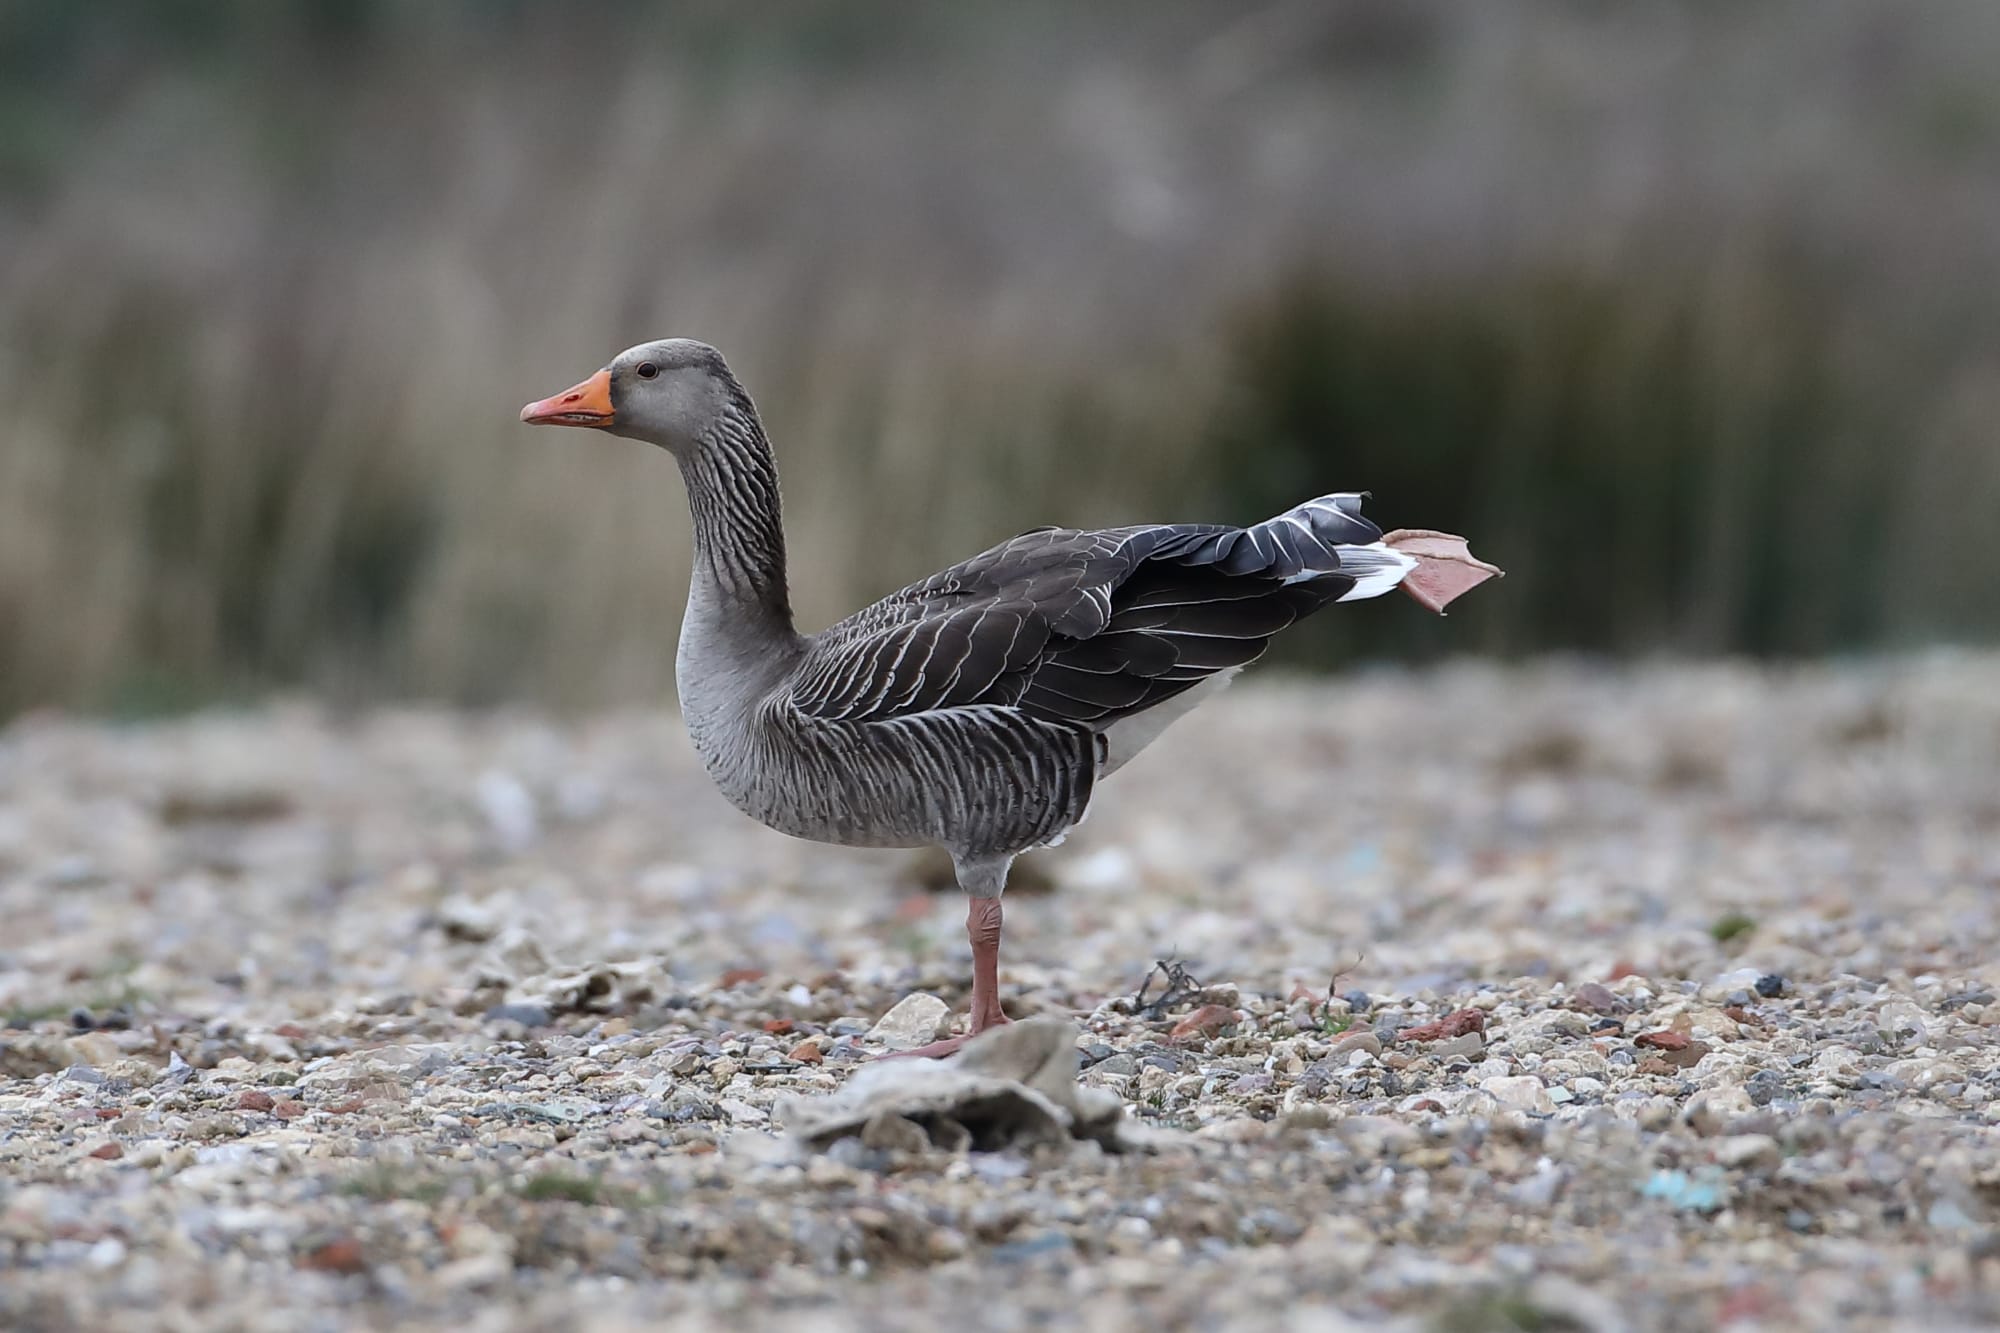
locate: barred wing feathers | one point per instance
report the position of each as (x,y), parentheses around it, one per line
(1084,628)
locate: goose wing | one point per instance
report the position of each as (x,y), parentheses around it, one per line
(1087,627)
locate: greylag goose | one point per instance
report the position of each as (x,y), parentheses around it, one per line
(977,709)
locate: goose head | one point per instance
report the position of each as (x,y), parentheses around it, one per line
(671,393)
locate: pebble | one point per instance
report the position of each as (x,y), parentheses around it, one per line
(1745,1151)
(1204,1022)
(1454,1024)
(1523,1092)
(1596,998)
(912,1021)
(518,1076)
(1358,1041)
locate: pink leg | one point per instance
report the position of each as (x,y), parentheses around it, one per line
(982,927)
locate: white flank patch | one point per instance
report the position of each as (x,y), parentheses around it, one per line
(1375,569)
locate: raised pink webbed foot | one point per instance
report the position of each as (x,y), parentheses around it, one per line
(1446,570)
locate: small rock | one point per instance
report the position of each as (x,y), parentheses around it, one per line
(1454,1024)
(1687,1057)
(894,1133)
(1236,1129)
(1710,1111)
(1596,998)
(1465,1046)
(1770,985)
(1206,1021)
(95,1048)
(1765,1086)
(1021,1251)
(254,1100)
(1523,1092)
(807,1052)
(996,1167)
(1539,1190)
(340,1255)
(1358,1041)
(1693,1194)
(288,1109)
(911,1021)
(107,1152)
(1746,1152)
(1305,1120)
(463,919)
(474,1271)
(1663,1040)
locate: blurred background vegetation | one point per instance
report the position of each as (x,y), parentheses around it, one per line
(1688,313)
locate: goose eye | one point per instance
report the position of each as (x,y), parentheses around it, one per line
(647,370)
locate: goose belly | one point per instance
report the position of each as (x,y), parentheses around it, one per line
(976,780)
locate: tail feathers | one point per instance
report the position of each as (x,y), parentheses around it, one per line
(1375,569)
(1322,539)
(1335,520)
(1330,536)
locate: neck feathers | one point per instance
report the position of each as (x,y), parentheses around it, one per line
(739,537)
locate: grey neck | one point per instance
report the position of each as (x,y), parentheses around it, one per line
(739,537)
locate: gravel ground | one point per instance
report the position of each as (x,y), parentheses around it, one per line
(1558,997)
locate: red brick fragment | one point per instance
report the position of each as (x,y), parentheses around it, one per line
(1662,1040)
(254,1100)
(340,1255)
(1203,1022)
(737,976)
(777,1027)
(807,1052)
(288,1109)
(1687,1057)
(1622,969)
(1454,1024)
(107,1152)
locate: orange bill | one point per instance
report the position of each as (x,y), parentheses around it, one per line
(587,404)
